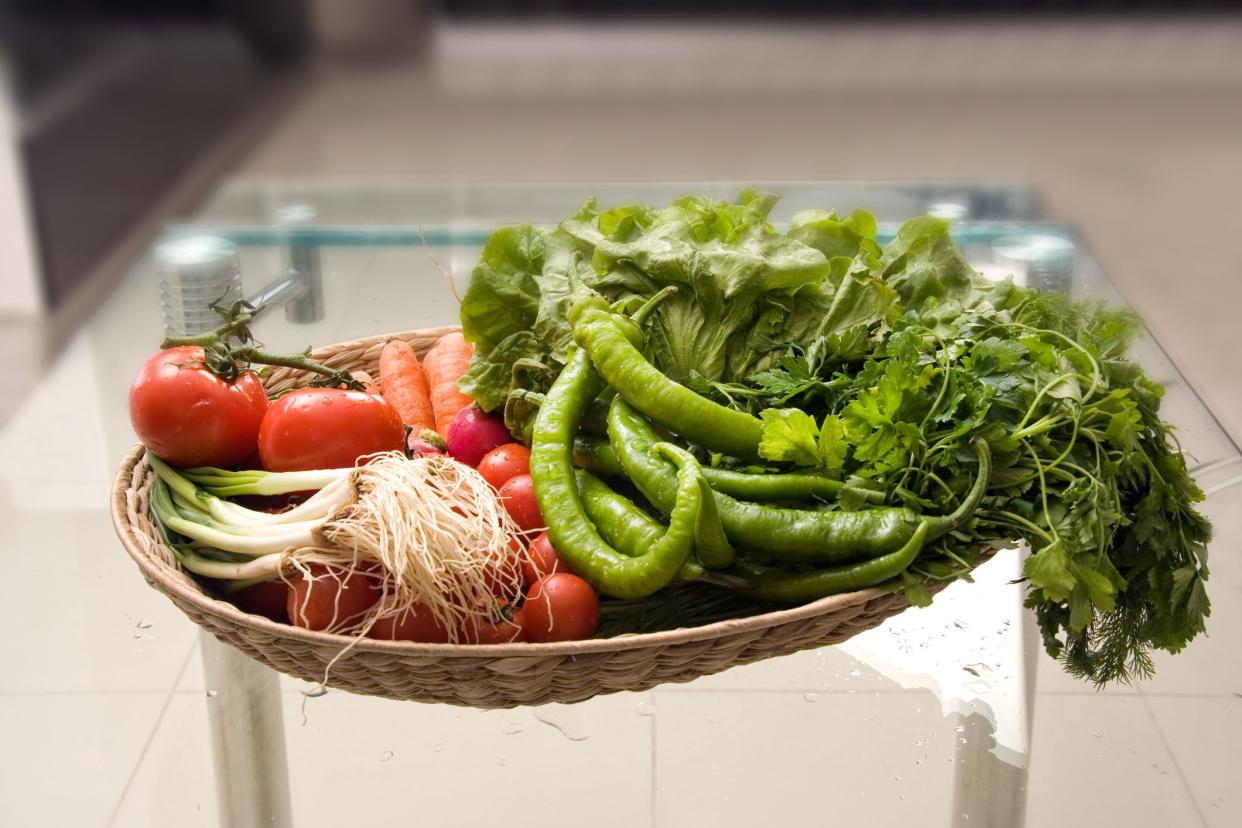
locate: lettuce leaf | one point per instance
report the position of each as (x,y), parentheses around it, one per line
(503,297)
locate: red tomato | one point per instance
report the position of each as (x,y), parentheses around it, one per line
(503,631)
(268,598)
(518,495)
(327,600)
(561,607)
(415,624)
(540,560)
(503,463)
(327,428)
(505,577)
(188,416)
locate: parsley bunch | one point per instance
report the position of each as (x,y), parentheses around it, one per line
(1086,472)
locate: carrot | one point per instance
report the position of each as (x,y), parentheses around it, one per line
(405,385)
(365,378)
(444,365)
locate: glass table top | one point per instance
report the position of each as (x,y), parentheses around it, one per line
(950,715)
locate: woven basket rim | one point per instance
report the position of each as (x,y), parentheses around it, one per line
(166,581)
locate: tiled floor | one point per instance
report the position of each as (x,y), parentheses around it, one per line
(103,704)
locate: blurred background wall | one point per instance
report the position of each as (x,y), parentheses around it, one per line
(1126,116)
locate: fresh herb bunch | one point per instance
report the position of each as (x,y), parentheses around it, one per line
(878,365)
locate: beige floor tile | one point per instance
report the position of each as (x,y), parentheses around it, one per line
(1099,760)
(175,782)
(54,455)
(83,617)
(468,767)
(1204,735)
(778,759)
(70,755)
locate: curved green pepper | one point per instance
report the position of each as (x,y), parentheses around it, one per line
(623,366)
(631,531)
(788,535)
(556,491)
(597,454)
(773,584)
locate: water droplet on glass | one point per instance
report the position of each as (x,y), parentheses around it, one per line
(512,729)
(385,756)
(645,709)
(500,763)
(144,624)
(569,721)
(1097,734)
(709,719)
(439,747)
(960,729)
(211,694)
(810,697)
(855,674)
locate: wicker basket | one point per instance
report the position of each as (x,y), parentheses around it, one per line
(488,676)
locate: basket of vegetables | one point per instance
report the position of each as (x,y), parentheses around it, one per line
(662,443)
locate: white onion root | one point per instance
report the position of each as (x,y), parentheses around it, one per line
(429,531)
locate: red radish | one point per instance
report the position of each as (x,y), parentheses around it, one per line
(473,434)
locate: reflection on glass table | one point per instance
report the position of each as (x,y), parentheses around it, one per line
(950,715)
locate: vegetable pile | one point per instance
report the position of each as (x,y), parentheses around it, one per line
(342,511)
(799,413)
(707,416)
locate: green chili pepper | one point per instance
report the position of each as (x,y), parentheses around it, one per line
(788,535)
(773,584)
(711,544)
(623,366)
(597,455)
(631,531)
(522,405)
(572,533)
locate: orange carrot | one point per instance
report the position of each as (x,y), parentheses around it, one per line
(365,378)
(444,365)
(405,386)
